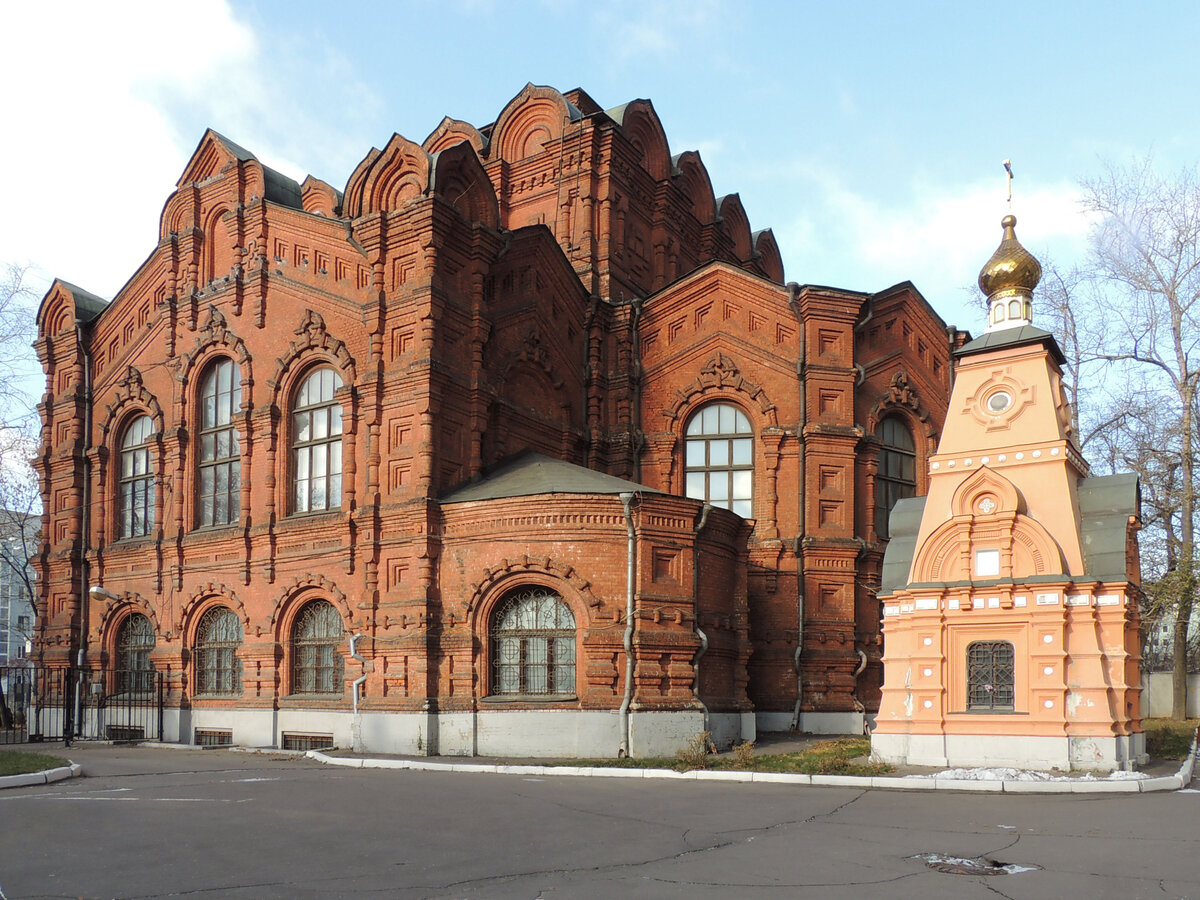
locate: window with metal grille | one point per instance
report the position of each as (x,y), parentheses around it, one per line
(213,737)
(990,676)
(292,740)
(719,458)
(533,644)
(317,665)
(317,443)
(136,479)
(135,641)
(897,474)
(218,636)
(220,470)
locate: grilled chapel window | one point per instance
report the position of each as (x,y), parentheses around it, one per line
(136,479)
(317,443)
(990,676)
(317,666)
(719,458)
(220,446)
(218,636)
(135,640)
(897,475)
(533,644)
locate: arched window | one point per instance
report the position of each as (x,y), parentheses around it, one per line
(317,666)
(135,640)
(136,480)
(719,458)
(897,475)
(317,443)
(990,676)
(533,644)
(218,636)
(220,471)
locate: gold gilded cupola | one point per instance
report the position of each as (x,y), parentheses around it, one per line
(1008,280)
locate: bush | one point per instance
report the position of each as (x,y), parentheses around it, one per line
(696,754)
(1168,738)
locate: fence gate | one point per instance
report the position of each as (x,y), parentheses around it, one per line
(41,704)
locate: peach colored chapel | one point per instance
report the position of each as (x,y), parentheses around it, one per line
(1010,591)
(517,443)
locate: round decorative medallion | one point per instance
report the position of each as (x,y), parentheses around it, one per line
(999,402)
(987,504)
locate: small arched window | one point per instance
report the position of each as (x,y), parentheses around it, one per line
(218,636)
(135,641)
(317,443)
(897,475)
(220,458)
(136,489)
(719,458)
(317,666)
(991,676)
(533,644)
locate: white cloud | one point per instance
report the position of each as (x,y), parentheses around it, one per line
(938,237)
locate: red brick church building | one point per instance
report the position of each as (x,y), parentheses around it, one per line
(517,444)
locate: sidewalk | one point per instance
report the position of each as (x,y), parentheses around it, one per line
(97,758)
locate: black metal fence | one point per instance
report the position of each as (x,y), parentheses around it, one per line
(40,704)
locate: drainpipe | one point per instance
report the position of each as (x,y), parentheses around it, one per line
(858,705)
(794,290)
(627,700)
(361,678)
(84,522)
(695,595)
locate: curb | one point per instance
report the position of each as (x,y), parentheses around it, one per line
(47,776)
(882,782)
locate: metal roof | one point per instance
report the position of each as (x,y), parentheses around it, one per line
(529,474)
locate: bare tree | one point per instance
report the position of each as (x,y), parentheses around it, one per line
(1145,262)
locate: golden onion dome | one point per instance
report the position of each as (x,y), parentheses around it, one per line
(1012,269)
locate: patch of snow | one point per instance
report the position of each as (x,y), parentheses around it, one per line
(1010,774)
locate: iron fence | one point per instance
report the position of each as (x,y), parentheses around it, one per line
(43,704)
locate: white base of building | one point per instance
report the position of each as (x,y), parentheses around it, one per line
(812,722)
(564,734)
(1068,754)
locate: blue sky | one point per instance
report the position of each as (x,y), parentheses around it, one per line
(868,136)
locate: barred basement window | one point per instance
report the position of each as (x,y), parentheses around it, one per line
(896,478)
(135,640)
(533,644)
(317,666)
(317,443)
(990,676)
(136,479)
(220,494)
(218,669)
(719,458)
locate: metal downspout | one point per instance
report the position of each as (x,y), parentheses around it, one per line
(695,599)
(627,700)
(794,289)
(85,523)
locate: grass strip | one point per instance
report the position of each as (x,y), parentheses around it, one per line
(18,762)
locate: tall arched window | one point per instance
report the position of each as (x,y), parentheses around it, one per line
(218,636)
(897,475)
(719,458)
(220,463)
(136,480)
(533,644)
(991,676)
(317,443)
(317,666)
(135,640)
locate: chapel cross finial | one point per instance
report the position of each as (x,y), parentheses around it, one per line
(1008,169)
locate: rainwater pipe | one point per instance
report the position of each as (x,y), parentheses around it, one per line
(84,520)
(627,700)
(858,705)
(696,601)
(354,654)
(793,301)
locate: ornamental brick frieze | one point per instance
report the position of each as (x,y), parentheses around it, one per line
(482,523)
(718,374)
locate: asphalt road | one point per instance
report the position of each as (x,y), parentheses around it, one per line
(150,822)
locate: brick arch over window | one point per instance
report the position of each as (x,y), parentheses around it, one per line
(215,339)
(131,399)
(296,595)
(115,610)
(902,399)
(206,596)
(313,345)
(509,573)
(719,379)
